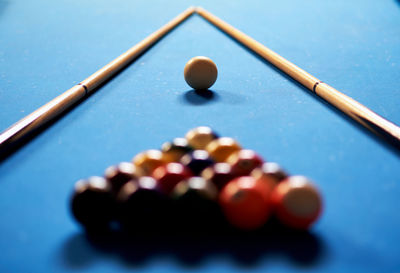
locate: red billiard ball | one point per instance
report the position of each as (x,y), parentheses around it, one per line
(219,174)
(297,202)
(245,202)
(169,175)
(244,162)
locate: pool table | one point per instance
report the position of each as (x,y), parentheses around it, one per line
(48,46)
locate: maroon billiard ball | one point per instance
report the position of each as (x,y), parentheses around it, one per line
(92,203)
(219,174)
(169,175)
(119,174)
(271,171)
(244,162)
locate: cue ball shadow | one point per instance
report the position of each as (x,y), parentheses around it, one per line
(203,97)
(193,248)
(200,97)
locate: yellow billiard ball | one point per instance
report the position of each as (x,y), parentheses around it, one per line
(148,161)
(221,148)
(200,137)
(200,73)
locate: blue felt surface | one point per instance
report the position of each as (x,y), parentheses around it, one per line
(48,46)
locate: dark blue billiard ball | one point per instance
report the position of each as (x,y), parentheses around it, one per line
(197,161)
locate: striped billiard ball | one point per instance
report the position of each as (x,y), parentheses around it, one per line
(297,202)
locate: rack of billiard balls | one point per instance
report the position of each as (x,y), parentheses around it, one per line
(195,182)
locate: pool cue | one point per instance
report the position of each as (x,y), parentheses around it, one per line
(55,107)
(361,114)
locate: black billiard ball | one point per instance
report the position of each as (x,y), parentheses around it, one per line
(142,206)
(120,174)
(92,203)
(197,161)
(173,151)
(195,204)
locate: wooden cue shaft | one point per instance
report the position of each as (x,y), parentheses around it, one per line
(372,121)
(58,105)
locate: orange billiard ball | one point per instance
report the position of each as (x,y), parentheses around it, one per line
(297,202)
(245,202)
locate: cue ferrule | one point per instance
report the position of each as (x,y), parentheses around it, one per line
(315,85)
(85,87)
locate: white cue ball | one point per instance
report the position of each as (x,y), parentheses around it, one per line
(200,73)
